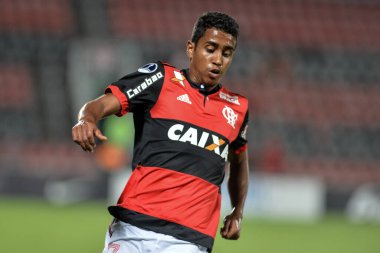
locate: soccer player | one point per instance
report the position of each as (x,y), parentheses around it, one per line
(187,126)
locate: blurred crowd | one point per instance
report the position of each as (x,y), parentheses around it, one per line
(310,68)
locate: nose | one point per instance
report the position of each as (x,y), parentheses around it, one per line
(218,58)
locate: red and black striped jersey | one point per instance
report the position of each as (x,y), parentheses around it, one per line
(183,133)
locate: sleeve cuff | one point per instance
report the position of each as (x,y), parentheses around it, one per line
(121,97)
(241,149)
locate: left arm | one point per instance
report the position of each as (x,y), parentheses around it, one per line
(237,187)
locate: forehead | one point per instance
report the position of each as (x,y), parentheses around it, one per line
(219,37)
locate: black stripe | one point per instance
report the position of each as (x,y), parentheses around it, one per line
(157,150)
(240,141)
(146,94)
(161,226)
(203,88)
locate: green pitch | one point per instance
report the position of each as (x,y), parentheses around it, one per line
(35,226)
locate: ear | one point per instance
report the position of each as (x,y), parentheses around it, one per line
(190,47)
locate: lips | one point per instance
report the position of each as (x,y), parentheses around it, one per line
(214,73)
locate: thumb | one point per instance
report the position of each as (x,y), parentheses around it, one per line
(100,135)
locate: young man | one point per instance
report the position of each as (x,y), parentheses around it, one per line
(187,126)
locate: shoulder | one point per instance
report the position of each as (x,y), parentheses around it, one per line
(153,67)
(169,68)
(237,101)
(167,64)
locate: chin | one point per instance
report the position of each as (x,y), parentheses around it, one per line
(211,82)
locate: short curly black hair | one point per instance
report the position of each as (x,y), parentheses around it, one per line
(218,20)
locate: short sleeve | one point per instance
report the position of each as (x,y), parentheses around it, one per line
(139,89)
(240,143)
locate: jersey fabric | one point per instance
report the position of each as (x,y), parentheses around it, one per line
(183,134)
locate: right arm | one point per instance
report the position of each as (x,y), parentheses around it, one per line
(85,131)
(120,97)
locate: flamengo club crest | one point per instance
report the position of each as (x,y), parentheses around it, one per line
(230,115)
(179,78)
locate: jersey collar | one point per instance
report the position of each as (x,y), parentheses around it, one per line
(201,87)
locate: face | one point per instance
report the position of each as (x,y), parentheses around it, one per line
(211,57)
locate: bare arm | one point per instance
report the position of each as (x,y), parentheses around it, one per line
(85,131)
(237,187)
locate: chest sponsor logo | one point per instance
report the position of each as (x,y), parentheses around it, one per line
(230,115)
(178,78)
(201,139)
(229,98)
(142,86)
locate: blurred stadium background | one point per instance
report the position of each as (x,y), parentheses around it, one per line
(311,69)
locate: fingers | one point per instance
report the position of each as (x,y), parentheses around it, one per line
(84,133)
(237,224)
(231,229)
(100,135)
(88,138)
(76,133)
(225,228)
(80,133)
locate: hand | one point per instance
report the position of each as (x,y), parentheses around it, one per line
(231,226)
(84,133)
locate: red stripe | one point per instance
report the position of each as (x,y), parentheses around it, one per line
(121,97)
(241,149)
(173,196)
(207,115)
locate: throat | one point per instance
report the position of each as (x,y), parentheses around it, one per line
(203,88)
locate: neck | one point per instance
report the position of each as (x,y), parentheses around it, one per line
(203,88)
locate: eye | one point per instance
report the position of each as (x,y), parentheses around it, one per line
(210,49)
(227,53)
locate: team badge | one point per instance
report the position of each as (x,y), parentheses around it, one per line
(148,68)
(230,115)
(178,78)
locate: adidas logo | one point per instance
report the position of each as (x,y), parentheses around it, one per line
(184,98)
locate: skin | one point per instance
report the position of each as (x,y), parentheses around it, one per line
(86,130)
(213,52)
(238,181)
(210,59)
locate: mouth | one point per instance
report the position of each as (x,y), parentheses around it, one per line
(215,73)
